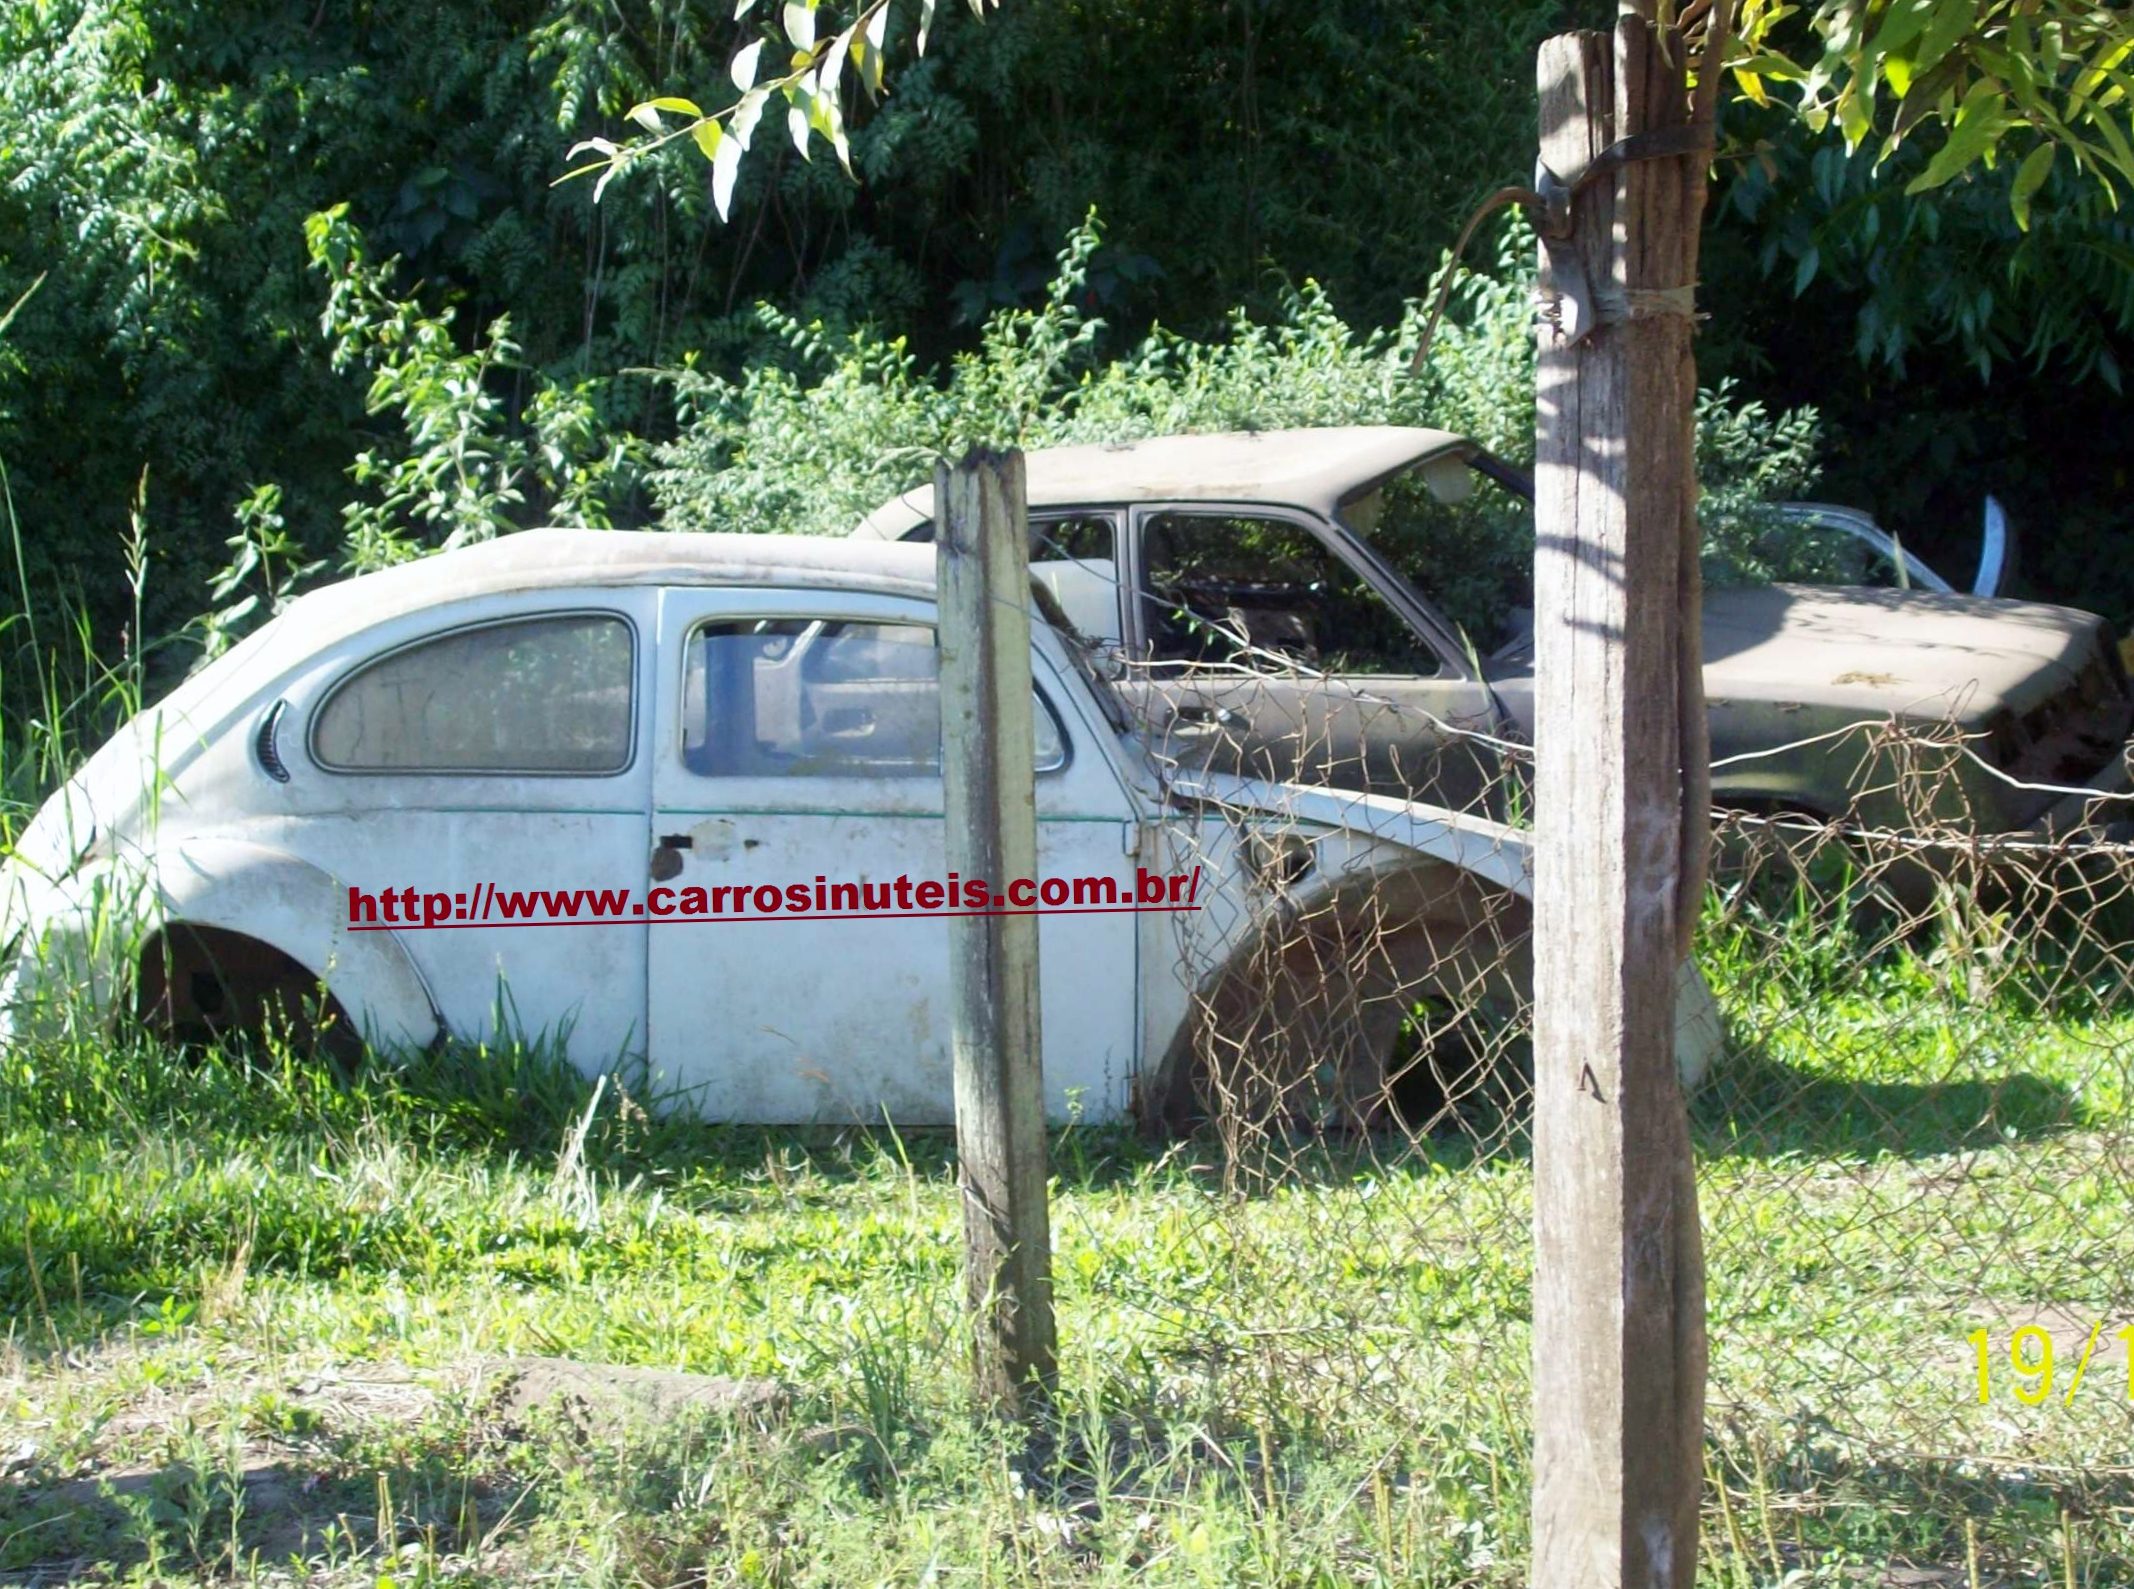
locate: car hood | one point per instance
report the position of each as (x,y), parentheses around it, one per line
(1915,653)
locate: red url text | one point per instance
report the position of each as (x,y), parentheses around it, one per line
(486,905)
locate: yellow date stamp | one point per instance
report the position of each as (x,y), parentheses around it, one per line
(2030,1363)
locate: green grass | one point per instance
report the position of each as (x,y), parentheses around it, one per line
(1324,1381)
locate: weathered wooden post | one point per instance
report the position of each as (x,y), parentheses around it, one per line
(1619,1349)
(989,756)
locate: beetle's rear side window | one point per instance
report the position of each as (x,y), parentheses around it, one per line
(540,695)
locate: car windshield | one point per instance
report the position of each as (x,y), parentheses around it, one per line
(1801,549)
(1471,557)
(1468,548)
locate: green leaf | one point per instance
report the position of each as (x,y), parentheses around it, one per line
(680,107)
(1856,111)
(833,60)
(646,117)
(743,69)
(796,123)
(825,117)
(1902,23)
(2029,177)
(742,125)
(1920,102)
(725,168)
(2121,155)
(1978,126)
(800,23)
(867,49)
(1950,21)
(709,135)
(2091,77)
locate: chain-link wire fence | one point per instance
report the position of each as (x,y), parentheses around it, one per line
(1910,1086)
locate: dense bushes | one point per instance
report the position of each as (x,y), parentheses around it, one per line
(809,446)
(167,153)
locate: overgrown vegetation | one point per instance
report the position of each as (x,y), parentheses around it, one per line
(169,154)
(259,1306)
(306,265)
(811,445)
(249,1299)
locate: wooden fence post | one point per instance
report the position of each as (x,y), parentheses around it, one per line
(1618,1282)
(989,756)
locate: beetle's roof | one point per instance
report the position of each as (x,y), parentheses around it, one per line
(1315,469)
(552,559)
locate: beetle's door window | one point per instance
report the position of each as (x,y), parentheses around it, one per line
(535,695)
(1259,594)
(810,697)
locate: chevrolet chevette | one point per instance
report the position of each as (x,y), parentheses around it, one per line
(678,799)
(1288,604)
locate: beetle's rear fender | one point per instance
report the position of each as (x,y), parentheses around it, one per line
(290,904)
(85,935)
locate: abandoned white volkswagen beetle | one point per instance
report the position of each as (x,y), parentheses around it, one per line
(679,798)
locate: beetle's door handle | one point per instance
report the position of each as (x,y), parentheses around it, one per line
(667,859)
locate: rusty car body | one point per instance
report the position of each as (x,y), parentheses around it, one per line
(1271,599)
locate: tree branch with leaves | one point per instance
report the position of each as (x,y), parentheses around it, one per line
(811,84)
(2024,79)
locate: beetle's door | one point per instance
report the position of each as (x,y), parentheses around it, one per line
(799,960)
(1263,651)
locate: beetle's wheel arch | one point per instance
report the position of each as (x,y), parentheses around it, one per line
(1363,1015)
(199,984)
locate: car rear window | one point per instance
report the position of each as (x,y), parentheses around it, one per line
(547,695)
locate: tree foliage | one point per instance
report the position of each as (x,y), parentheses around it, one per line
(2024,80)
(165,157)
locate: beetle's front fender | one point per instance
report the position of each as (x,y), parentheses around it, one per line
(281,900)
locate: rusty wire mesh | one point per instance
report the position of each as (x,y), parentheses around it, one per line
(1913,1123)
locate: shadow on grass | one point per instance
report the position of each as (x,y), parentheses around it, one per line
(1818,1497)
(1755,1106)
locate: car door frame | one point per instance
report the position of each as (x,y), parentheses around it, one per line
(1477,783)
(1431,630)
(719,812)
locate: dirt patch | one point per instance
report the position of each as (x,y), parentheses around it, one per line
(605,1399)
(353,1463)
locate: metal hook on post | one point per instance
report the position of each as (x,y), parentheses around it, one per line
(1572,310)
